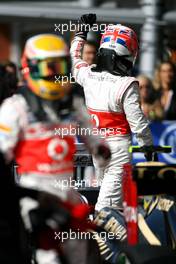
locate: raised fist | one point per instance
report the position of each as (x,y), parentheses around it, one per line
(88,19)
(85,23)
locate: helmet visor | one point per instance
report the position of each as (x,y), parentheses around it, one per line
(50,67)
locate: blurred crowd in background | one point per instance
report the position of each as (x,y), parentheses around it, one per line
(157,95)
(153,20)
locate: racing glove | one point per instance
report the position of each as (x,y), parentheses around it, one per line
(84,25)
(149,154)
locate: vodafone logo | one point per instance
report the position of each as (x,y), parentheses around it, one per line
(168,138)
(95,119)
(57,149)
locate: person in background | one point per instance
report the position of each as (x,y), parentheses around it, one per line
(10,67)
(165,84)
(89,52)
(4,93)
(8,80)
(150,104)
(12,76)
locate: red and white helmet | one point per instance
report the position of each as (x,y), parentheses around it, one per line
(122,40)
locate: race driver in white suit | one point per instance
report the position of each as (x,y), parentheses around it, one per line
(112,99)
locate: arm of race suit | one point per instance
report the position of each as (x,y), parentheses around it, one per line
(9,126)
(80,67)
(92,140)
(135,117)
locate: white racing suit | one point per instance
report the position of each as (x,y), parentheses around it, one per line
(43,150)
(113,103)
